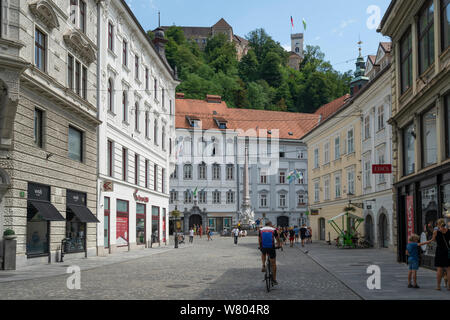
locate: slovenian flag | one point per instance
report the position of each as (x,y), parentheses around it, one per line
(304,24)
(292,22)
(195,192)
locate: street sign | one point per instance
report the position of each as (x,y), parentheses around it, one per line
(314,212)
(381,168)
(358,205)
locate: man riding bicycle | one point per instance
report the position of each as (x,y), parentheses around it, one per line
(267,236)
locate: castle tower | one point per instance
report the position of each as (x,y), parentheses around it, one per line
(297,43)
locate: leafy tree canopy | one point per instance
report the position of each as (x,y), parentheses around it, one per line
(260,80)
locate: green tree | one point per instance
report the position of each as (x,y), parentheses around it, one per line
(249,67)
(270,69)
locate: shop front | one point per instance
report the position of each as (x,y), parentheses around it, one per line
(122,223)
(421,201)
(219,224)
(155,225)
(78,216)
(40,213)
(140,224)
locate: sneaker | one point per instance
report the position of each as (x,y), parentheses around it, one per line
(275,282)
(410,285)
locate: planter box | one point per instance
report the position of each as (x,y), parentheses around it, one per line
(9,254)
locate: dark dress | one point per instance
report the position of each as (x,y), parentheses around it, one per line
(441,259)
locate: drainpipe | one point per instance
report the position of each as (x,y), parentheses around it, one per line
(98,114)
(237,176)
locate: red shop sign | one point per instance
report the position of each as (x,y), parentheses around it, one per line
(381,168)
(409,216)
(139,198)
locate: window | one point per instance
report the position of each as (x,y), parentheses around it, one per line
(75,144)
(146,79)
(202,197)
(163,138)
(337,148)
(70,72)
(82,16)
(316,158)
(445,23)
(174,174)
(155,88)
(337,185)
(124,106)
(216,172)
(326,183)
(136,116)
(350,146)
(426,37)
(282,177)
(125,53)
(40,50)
(406,61)
(230,197)
(409,161)
(146,124)
(163,180)
(136,67)
(367,127)
(188,196)
(316,191)
(381,177)
(162,97)
(110,36)
(173,196)
(38,127)
(124,164)
(77,77)
(326,152)
(429,137)
(282,200)
(380,118)
(263,201)
(140,224)
(73,11)
(230,172)
(84,82)
(216,197)
(147,164)
(367,174)
(155,132)
(301,177)
(155,177)
(301,200)
(351,181)
(202,171)
(447,123)
(187,172)
(263,177)
(109,161)
(136,169)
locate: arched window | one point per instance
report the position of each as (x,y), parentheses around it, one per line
(155,132)
(124,106)
(110,95)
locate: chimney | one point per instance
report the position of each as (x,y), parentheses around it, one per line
(179,95)
(213,99)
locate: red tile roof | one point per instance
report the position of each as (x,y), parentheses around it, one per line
(329,109)
(244,119)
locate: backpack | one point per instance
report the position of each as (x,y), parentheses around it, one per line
(267,238)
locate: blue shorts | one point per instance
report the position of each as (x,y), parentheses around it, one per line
(413,264)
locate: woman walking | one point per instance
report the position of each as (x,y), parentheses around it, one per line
(442,258)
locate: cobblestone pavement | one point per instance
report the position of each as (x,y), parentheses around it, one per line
(206,270)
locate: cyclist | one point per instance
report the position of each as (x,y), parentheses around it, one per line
(267,236)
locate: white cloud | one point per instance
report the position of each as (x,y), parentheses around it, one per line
(346,23)
(287,47)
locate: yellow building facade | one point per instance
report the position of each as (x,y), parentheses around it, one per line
(334,168)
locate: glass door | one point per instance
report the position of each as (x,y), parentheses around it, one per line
(106,223)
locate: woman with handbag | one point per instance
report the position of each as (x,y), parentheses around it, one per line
(442,257)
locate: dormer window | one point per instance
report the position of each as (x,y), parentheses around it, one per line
(193,122)
(221,123)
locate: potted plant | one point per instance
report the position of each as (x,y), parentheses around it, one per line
(9,234)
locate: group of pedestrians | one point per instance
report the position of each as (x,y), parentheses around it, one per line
(198,231)
(295,234)
(442,258)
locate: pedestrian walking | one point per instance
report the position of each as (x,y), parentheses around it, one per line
(282,234)
(291,237)
(208,234)
(191,235)
(195,229)
(412,251)
(442,257)
(296,231)
(303,230)
(309,234)
(200,231)
(235,233)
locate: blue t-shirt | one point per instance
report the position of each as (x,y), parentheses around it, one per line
(296,230)
(413,250)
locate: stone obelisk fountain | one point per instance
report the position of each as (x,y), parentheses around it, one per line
(247,215)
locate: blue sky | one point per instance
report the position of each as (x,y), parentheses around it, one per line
(334,25)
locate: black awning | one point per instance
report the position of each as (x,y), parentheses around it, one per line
(83,213)
(47,211)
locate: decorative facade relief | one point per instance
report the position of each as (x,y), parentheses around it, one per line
(44,11)
(75,41)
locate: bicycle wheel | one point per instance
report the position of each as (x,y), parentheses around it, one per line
(268,276)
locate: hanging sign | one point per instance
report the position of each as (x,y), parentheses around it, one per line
(381,168)
(409,216)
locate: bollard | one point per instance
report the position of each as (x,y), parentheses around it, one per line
(176,240)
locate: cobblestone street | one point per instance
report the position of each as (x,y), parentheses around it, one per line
(205,270)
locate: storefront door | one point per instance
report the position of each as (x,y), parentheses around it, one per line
(322,229)
(140,224)
(155,225)
(428,218)
(122,220)
(106,228)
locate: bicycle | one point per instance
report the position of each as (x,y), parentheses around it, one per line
(268,277)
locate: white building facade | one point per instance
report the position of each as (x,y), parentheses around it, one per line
(376,149)
(136,107)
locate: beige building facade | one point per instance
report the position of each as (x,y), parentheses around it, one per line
(420,81)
